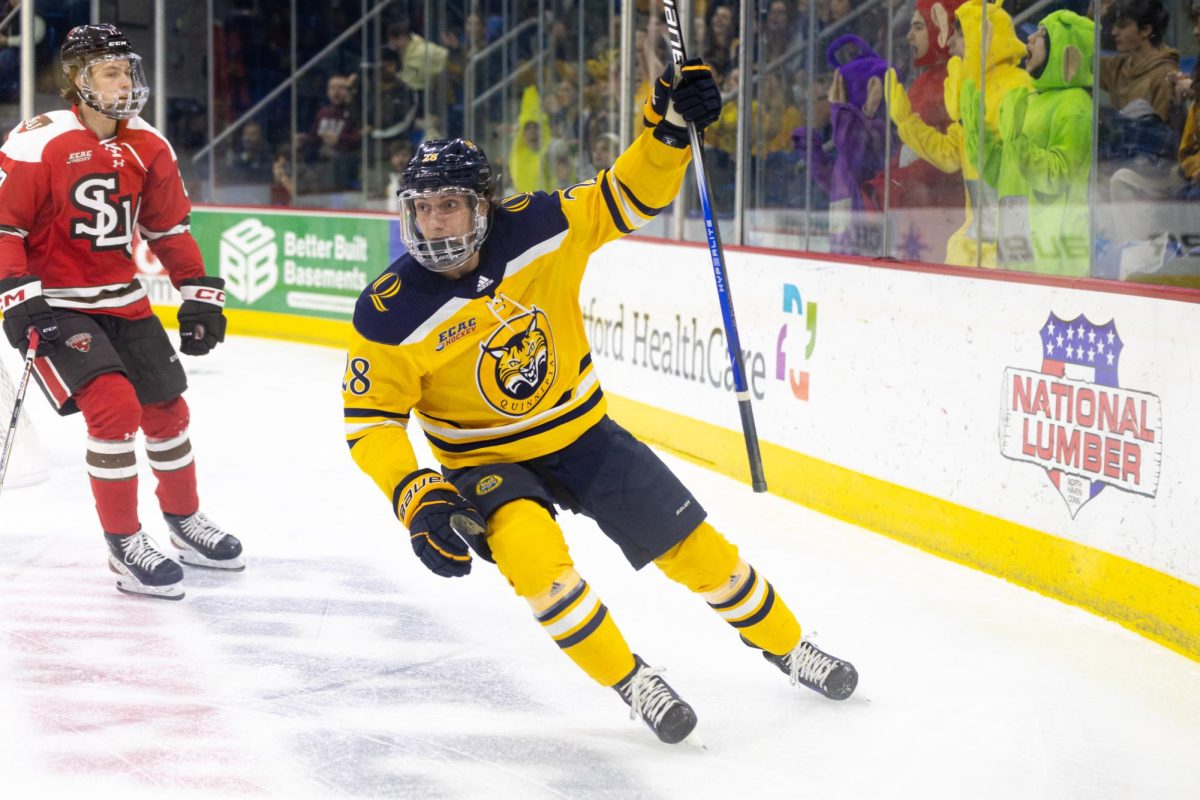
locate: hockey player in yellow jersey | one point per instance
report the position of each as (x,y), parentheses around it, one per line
(477,334)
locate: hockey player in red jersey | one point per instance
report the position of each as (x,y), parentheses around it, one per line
(74,184)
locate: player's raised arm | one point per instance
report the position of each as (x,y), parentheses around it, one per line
(646,177)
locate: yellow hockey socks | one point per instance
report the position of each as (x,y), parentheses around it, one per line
(580,624)
(708,564)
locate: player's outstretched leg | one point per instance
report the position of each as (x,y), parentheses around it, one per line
(530,552)
(650,697)
(142,568)
(810,666)
(201,543)
(709,564)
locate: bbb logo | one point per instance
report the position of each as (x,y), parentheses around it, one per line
(248,260)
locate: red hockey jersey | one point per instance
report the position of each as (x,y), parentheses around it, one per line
(69,205)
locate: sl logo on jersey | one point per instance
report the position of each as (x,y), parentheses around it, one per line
(109,222)
(385,287)
(81,342)
(516,365)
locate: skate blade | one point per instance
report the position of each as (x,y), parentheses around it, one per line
(193,559)
(170,592)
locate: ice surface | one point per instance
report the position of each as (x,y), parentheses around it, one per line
(336,666)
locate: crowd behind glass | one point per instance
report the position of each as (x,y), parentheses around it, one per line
(1052,136)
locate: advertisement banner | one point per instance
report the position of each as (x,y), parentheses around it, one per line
(288,262)
(892,373)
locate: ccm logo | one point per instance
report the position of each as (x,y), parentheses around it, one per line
(210,295)
(13,298)
(204,294)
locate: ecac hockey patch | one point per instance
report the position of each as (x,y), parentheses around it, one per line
(488,483)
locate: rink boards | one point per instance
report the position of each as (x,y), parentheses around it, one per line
(1042,431)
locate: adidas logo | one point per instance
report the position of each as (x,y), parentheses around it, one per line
(484,282)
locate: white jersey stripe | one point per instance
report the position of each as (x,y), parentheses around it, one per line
(582,391)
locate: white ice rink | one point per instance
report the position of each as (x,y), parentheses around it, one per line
(336,666)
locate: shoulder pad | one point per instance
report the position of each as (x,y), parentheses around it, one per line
(401,306)
(29,139)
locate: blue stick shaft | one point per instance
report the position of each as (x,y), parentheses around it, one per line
(717,254)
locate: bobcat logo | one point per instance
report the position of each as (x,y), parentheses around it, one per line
(516,364)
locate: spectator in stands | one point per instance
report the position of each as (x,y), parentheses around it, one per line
(529,168)
(250,160)
(420,63)
(283,188)
(779,34)
(460,50)
(1188,91)
(1138,78)
(420,60)
(604,151)
(867,25)
(1040,159)
(914,182)
(773,118)
(975,242)
(721,43)
(334,138)
(858,131)
(399,154)
(1139,129)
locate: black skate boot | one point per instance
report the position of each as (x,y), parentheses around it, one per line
(202,544)
(649,696)
(817,670)
(142,568)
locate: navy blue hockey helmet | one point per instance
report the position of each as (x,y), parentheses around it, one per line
(447,168)
(87,46)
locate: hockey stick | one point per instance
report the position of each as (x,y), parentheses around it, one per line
(11,436)
(724,296)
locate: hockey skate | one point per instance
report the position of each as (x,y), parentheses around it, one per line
(202,544)
(819,671)
(649,697)
(142,568)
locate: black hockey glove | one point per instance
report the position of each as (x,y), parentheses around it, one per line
(202,315)
(695,98)
(438,519)
(24,307)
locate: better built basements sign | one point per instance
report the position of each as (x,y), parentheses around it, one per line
(289,262)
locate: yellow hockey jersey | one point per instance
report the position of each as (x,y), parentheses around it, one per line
(495,366)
